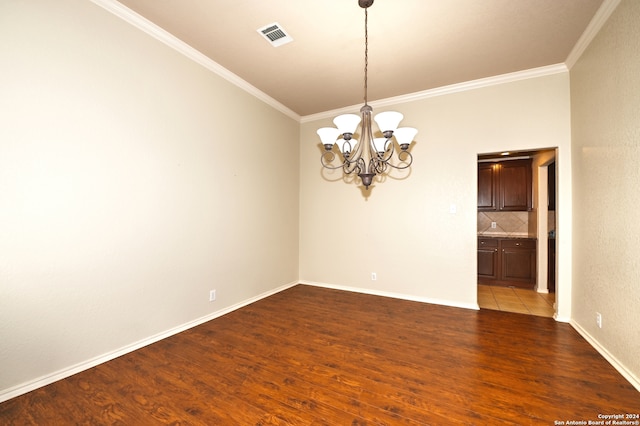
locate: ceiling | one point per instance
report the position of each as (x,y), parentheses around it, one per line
(414,45)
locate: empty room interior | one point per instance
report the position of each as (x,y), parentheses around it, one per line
(180,243)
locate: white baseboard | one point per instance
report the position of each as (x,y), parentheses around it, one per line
(85,365)
(31,385)
(561,319)
(402,296)
(607,355)
(610,358)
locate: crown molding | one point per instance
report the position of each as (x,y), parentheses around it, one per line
(143,24)
(447,90)
(170,40)
(596,24)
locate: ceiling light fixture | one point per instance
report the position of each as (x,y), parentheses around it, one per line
(371,156)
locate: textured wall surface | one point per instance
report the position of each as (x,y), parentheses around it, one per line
(132,182)
(605,96)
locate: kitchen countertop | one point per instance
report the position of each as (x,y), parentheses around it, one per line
(508,236)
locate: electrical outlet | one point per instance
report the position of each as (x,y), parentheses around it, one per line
(494,225)
(374,276)
(212,295)
(599,319)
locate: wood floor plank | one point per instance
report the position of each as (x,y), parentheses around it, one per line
(314,356)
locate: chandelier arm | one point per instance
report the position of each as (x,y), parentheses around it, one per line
(408,160)
(378,166)
(372,148)
(355,160)
(379,162)
(389,146)
(327,158)
(358,166)
(390,149)
(351,166)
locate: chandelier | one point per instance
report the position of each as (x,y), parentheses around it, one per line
(371,155)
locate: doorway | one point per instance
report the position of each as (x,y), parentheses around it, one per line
(516,232)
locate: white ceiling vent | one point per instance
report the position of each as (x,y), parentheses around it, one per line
(275,34)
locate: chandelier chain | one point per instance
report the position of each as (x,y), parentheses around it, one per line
(366,52)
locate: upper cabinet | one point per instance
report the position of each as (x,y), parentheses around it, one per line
(505,186)
(487,187)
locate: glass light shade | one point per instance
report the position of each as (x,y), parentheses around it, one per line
(380,144)
(347,123)
(328,135)
(405,135)
(349,146)
(388,120)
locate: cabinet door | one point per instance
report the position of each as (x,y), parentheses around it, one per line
(515,186)
(518,262)
(551,268)
(487,187)
(551,185)
(488,259)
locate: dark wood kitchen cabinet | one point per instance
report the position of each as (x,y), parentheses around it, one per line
(487,187)
(488,258)
(505,186)
(551,265)
(551,186)
(507,262)
(518,261)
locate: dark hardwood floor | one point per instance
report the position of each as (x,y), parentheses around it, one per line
(313,356)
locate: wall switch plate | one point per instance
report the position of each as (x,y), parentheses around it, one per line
(599,319)
(212,295)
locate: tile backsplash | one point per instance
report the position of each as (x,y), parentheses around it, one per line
(508,224)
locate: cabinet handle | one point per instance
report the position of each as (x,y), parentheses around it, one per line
(517,244)
(495,250)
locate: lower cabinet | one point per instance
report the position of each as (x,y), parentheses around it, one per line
(488,259)
(507,262)
(551,273)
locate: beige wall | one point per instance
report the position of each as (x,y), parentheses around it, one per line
(132,182)
(122,204)
(605,97)
(404,230)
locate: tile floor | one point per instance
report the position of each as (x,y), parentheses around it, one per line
(518,300)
